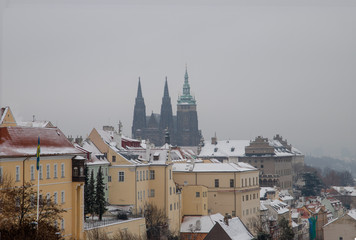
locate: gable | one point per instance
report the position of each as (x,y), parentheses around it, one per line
(7,119)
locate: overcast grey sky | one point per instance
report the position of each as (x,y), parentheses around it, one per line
(255,67)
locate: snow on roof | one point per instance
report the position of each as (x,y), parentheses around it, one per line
(295,215)
(263,207)
(200,224)
(277,205)
(236,229)
(96,157)
(22,141)
(3,112)
(236,148)
(35,124)
(224,148)
(213,167)
(352,213)
(350,191)
(285,196)
(264,190)
(294,225)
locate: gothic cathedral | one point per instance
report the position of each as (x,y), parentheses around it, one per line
(181,130)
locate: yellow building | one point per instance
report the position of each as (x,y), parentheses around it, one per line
(6,117)
(233,188)
(135,180)
(61,170)
(195,200)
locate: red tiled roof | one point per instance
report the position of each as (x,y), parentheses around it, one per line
(22,141)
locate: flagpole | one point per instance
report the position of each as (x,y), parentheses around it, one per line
(38,179)
(38,195)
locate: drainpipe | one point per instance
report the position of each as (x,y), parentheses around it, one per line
(135,188)
(235,193)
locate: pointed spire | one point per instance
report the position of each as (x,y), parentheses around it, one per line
(166,93)
(139,91)
(186,74)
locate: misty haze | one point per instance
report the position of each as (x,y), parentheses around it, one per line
(255,68)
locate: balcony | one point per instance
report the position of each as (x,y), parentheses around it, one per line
(78,169)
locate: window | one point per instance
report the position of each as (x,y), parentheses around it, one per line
(174,190)
(143,173)
(152,193)
(253,181)
(113,158)
(48,173)
(63,197)
(170,190)
(261,166)
(109,178)
(170,207)
(121,177)
(216,182)
(48,198)
(62,224)
(17,173)
(243,198)
(170,174)
(32,172)
(55,170)
(254,196)
(174,206)
(1,174)
(144,194)
(152,174)
(62,170)
(146,174)
(197,194)
(204,206)
(246,197)
(140,175)
(249,181)
(41,172)
(55,197)
(231,182)
(137,176)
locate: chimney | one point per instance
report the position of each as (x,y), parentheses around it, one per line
(214,140)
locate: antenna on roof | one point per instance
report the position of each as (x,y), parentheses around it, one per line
(33,118)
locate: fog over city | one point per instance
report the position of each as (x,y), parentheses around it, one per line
(255,67)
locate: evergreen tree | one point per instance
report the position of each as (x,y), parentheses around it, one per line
(91,194)
(313,184)
(100,195)
(286,231)
(86,192)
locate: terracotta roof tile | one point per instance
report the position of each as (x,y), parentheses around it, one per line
(22,141)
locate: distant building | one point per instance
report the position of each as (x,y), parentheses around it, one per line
(274,158)
(342,228)
(232,187)
(182,129)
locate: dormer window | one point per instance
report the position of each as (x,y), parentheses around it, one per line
(215,149)
(232,149)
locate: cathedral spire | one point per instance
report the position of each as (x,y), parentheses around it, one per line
(186,98)
(166,93)
(139,91)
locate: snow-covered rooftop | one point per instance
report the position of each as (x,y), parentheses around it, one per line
(236,229)
(277,205)
(23,141)
(213,167)
(200,224)
(236,148)
(350,191)
(264,190)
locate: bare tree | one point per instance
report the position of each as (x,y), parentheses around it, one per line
(18,213)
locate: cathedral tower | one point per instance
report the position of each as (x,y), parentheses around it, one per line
(139,118)
(187,117)
(166,118)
